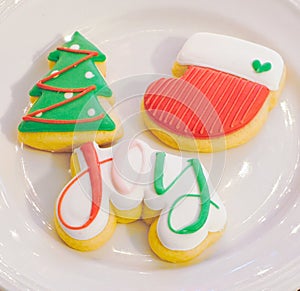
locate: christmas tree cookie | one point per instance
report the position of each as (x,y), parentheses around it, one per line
(71,105)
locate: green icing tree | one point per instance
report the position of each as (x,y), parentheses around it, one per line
(68,95)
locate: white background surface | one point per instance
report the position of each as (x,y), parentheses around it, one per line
(258,182)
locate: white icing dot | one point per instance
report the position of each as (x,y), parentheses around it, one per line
(75,46)
(68,95)
(39,114)
(68,38)
(53,72)
(91,112)
(89,75)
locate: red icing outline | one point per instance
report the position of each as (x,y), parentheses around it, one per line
(81,91)
(94,171)
(204,102)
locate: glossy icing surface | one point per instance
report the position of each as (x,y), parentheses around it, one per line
(204,102)
(68,94)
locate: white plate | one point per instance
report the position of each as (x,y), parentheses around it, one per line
(259,182)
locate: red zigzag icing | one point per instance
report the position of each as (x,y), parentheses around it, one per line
(82,91)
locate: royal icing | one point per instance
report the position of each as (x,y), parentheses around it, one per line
(235,56)
(204,103)
(178,188)
(68,94)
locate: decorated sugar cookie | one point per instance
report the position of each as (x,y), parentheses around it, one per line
(221,97)
(71,104)
(131,181)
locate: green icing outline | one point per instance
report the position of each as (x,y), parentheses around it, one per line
(204,196)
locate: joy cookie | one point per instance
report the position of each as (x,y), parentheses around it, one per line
(71,104)
(224,89)
(131,181)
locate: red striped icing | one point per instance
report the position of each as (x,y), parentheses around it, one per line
(204,103)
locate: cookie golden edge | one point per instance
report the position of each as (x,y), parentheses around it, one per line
(175,256)
(127,216)
(89,244)
(225,142)
(141,212)
(67,141)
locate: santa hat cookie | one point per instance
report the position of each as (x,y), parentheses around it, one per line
(225,88)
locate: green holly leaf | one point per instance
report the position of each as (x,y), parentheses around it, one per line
(260,68)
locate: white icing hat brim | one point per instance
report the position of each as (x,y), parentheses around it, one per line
(234,56)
